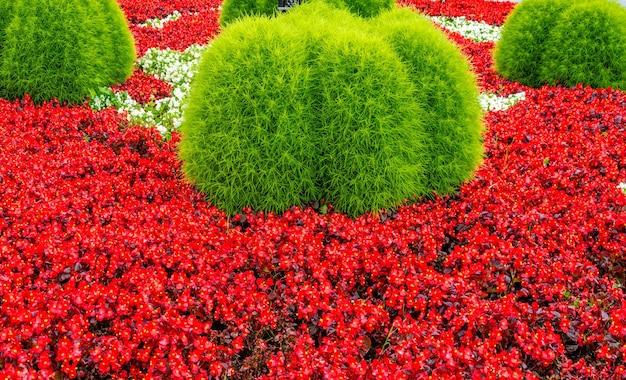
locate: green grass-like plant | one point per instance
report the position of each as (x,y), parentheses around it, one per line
(447,93)
(564,41)
(120,55)
(249,124)
(63,49)
(320,104)
(587,45)
(235,9)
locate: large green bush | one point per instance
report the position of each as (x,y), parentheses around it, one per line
(63,49)
(235,9)
(321,104)
(564,41)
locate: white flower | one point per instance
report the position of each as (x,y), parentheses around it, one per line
(622,186)
(493,102)
(476,30)
(158,23)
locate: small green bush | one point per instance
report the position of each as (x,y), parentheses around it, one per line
(564,41)
(320,104)
(234,9)
(62,49)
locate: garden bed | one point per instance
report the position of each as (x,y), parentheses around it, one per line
(112,266)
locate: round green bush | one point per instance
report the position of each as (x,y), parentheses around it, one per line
(63,49)
(248,126)
(587,45)
(235,9)
(447,93)
(115,35)
(564,41)
(320,105)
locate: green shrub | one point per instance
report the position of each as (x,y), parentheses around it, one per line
(587,45)
(566,41)
(62,49)
(120,56)
(369,127)
(247,130)
(320,104)
(234,9)
(447,93)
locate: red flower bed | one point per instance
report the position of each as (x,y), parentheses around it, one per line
(491,12)
(196,28)
(112,266)
(138,11)
(144,88)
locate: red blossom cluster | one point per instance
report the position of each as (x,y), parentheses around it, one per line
(144,88)
(491,12)
(138,11)
(190,28)
(111,265)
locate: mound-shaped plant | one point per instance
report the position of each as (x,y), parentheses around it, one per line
(447,93)
(62,49)
(564,41)
(235,9)
(320,104)
(115,35)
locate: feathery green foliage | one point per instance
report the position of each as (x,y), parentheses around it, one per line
(321,104)
(61,49)
(248,128)
(518,53)
(120,58)
(235,9)
(369,128)
(447,93)
(587,45)
(564,41)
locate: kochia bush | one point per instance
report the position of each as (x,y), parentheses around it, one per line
(235,9)
(62,49)
(321,104)
(564,41)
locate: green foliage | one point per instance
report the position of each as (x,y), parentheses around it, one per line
(235,9)
(565,41)
(447,93)
(61,49)
(321,104)
(249,124)
(587,45)
(120,56)
(369,127)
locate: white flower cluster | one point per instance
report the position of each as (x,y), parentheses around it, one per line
(159,22)
(476,30)
(622,186)
(165,114)
(493,102)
